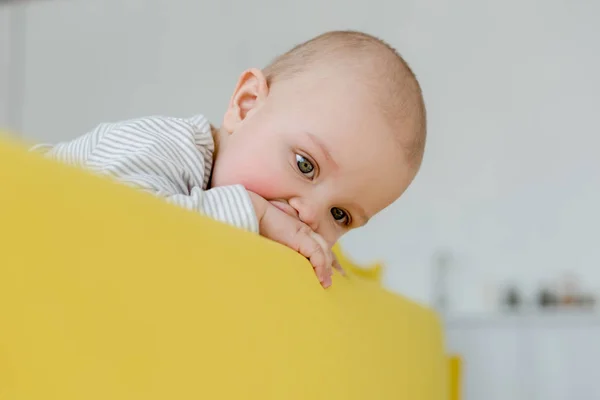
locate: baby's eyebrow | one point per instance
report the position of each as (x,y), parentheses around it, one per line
(322,146)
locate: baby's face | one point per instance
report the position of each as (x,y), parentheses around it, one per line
(316,147)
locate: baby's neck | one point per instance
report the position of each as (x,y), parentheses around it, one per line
(217,134)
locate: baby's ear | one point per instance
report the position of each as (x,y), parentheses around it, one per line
(252,89)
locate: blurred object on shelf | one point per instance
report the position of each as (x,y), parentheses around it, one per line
(442,262)
(570,289)
(574,296)
(562,295)
(547,298)
(513,298)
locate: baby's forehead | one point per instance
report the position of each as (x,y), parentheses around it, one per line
(339,111)
(364,81)
(364,60)
(356,101)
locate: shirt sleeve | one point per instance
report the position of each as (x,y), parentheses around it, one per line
(75,152)
(167,157)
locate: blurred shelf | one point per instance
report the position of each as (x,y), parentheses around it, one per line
(557,318)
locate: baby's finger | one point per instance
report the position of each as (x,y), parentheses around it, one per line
(328,253)
(337,266)
(318,259)
(321,266)
(311,249)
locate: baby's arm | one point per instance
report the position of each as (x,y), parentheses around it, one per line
(75,151)
(172,158)
(168,157)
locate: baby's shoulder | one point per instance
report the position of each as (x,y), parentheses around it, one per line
(194,130)
(162,123)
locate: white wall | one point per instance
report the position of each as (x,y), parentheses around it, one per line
(5,47)
(12,52)
(510,182)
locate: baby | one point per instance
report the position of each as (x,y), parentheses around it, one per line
(314,145)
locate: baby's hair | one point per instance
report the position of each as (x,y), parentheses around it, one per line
(402,99)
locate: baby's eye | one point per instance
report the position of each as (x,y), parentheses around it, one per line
(340,215)
(305,166)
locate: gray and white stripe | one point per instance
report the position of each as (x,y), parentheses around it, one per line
(168,157)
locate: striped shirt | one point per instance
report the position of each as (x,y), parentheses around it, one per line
(169,157)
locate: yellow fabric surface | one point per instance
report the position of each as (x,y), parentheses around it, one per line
(372,272)
(109,293)
(454,377)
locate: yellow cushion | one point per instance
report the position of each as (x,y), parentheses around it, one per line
(109,293)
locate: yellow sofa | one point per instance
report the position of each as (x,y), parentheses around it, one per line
(109,293)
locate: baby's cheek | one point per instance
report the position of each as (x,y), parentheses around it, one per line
(331,236)
(261,174)
(266,184)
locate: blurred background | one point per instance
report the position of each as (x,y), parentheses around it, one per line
(500,230)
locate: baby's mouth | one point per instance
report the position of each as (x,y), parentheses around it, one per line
(285,207)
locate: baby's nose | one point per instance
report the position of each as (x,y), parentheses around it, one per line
(309,215)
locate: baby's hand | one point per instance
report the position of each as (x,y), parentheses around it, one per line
(289,231)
